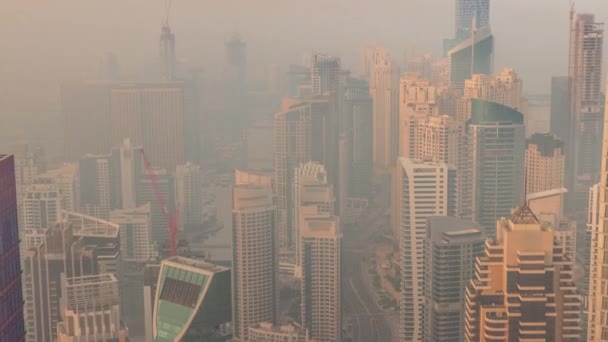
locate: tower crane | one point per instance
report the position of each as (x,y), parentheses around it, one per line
(172,221)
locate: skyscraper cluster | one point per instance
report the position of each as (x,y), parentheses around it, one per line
(460,221)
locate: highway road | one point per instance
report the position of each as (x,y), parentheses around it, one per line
(369,323)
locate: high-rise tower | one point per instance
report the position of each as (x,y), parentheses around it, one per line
(544,163)
(423,189)
(313,197)
(255,253)
(189,193)
(320,250)
(466,11)
(192,302)
(91,309)
(12,327)
(597,327)
(167,53)
(384,91)
(523,288)
(301,134)
(585,71)
(496,152)
(451,246)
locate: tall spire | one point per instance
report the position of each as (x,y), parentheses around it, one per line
(167,53)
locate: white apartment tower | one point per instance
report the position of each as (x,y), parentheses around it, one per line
(90,310)
(189,193)
(41,209)
(320,286)
(423,189)
(597,327)
(313,197)
(66,178)
(255,253)
(136,242)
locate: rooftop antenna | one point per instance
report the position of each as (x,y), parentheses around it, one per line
(168,4)
(473,34)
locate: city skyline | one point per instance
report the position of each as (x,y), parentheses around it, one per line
(304,191)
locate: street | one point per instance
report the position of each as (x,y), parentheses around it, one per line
(368,323)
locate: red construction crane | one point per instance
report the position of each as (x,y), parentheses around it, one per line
(172,222)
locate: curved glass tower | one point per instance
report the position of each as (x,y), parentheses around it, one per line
(192,302)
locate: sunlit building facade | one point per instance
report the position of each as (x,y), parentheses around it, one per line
(255,253)
(422,189)
(523,287)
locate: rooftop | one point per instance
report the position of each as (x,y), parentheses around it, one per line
(546,143)
(196,263)
(547,193)
(438,227)
(491,112)
(524,215)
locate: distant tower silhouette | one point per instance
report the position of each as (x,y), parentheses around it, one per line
(108,68)
(167,53)
(236,56)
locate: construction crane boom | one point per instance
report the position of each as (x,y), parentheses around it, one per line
(172,222)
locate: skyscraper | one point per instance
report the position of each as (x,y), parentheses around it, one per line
(313,197)
(86,110)
(66,179)
(324,74)
(523,287)
(108,68)
(466,11)
(136,248)
(189,193)
(320,250)
(127,165)
(95,178)
(422,189)
(496,154)
(91,310)
(162,117)
(451,246)
(384,91)
(597,327)
(544,163)
(255,253)
(300,135)
(235,86)
(504,88)
(167,53)
(135,232)
(416,95)
(192,302)
(41,208)
(472,55)
(12,327)
(586,51)
(560,107)
(358,109)
(76,246)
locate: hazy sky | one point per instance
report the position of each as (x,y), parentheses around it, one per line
(47,41)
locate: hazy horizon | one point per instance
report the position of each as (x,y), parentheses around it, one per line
(48,42)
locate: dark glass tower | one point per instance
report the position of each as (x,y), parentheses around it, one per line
(12,326)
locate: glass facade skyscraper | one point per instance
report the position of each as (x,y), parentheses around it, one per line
(11,298)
